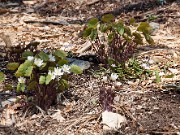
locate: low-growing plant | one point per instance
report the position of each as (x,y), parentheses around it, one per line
(133,70)
(43,73)
(115,42)
(106,98)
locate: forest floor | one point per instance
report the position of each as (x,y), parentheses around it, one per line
(150,107)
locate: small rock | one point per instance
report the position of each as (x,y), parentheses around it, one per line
(8,102)
(112,121)
(155,27)
(81,63)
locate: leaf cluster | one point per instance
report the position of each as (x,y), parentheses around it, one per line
(115,40)
(42,72)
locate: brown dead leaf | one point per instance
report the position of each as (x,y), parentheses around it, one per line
(58,116)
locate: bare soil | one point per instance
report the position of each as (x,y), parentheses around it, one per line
(150,108)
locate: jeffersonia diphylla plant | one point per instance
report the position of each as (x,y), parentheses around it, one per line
(43,73)
(115,42)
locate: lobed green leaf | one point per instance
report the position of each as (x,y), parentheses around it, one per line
(92,23)
(138,38)
(21,87)
(93,34)
(132,21)
(42,79)
(104,28)
(87,32)
(22,68)
(26,54)
(32,85)
(62,62)
(48,79)
(127,30)
(2,77)
(108,18)
(76,69)
(28,71)
(60,54)
(144,27)
(149,39)
(12,66)
(43,56)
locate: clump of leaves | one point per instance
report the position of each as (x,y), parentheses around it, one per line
(106,98)
(45,74)
(114,41)
(2,77)
(133,70)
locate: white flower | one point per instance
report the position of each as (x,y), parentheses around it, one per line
(30,58)
(118,83)
(21,80)
(104,79)
(173,70)
(53,76)
(58,71)
(45,51)
(151,61)
(113,65)
(161,73)
(114,76)
(66,68)
(51,58)
(145,66)
(38,62)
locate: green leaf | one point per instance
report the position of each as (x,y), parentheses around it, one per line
(76,69)
(48,79)
(63,84)
(29,70)
(138,38)
(62,62)
(12,66)
(2,77)
(92,23)
(66,83)
(26,54)
(60,54)
(104,28)
(18,87)
(169,76)
(51,68)
(21,87)
(43,67)
(119,27)
(132,21)
(152,17)
(42,79)
(128,39)
(108,18)
(8,87)
(127,30)
(93,35)
(43,56)
(32,85)
(149,39)
(158,78)
(87,32)
(121,30)
(144,27)
(110,37)
(22,68)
